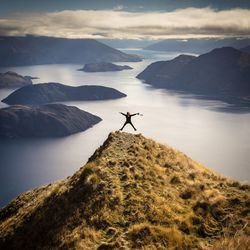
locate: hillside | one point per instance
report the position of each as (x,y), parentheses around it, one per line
(133,193)
(246,49)
(13,80)
(51,120)
(56,92)
(223,71)
(32,50)
(165,69)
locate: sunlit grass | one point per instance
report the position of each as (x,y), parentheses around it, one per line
(134,193)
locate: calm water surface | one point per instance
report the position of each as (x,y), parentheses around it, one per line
(220,140)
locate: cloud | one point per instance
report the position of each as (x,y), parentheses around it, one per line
(181,23)
(119,7)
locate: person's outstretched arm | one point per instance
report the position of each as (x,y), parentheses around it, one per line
(135,114)
(122,113)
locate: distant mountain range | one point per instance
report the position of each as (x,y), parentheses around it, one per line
(103,67)
(223,71)
(51,120)
(197,46)
(56,92)
(126,43)
(32,50)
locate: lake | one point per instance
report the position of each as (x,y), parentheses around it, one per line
(208,131)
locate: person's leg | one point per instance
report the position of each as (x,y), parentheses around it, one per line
(123,125)
(132,125)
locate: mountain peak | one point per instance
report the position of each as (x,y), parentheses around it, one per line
(225,51)
(184,57)
(133,193)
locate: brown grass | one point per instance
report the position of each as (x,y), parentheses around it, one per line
(134,193)
(149,236)
(233,243)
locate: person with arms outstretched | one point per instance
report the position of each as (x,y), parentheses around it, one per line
(128,119)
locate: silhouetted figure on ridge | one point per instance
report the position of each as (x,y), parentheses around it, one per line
(128,119)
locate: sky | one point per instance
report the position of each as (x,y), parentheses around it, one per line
(127,19)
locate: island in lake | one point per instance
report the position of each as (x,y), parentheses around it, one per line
(13,80)
(51,120)
(55,92)
(103,67)
(221,72)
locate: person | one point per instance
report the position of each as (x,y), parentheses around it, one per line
(128,120)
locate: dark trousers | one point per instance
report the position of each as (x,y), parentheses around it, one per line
(128,123)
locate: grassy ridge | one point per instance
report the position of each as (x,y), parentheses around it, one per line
(133,193)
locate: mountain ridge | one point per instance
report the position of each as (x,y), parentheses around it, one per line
(38,50)
(133,193)
(198,46)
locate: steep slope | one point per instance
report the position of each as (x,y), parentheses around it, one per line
(13,80)
(223,71)
(51,120)
(56,92)
(31,50)
(166,70)
(133,193)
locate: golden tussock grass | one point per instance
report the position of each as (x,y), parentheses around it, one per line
(133,193)
(232,243)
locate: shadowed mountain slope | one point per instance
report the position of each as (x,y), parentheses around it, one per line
(133,193)
(222,72)
(35,50)
(165,69)
(246,49)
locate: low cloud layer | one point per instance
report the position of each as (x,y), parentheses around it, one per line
(118,24)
